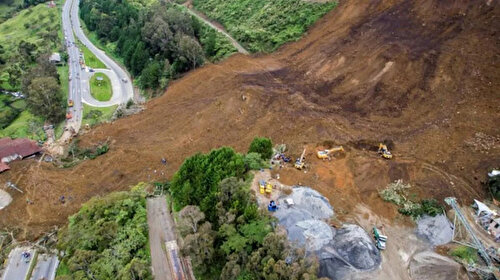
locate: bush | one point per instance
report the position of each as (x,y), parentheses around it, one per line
(263,146)
(465,253)
(398,193)
(254,161)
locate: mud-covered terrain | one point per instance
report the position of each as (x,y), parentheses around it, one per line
(423,75)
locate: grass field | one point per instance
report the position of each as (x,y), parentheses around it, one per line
(101,90)
(7,9)
(95,115)
(26,125)
(63,72)
(29,25)
(264,25)
(90,59)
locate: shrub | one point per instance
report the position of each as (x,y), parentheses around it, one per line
(465,253)
(263,146)
(254,161)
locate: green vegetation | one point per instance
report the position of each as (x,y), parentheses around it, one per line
(101,89)
(9,110)
(465,253)
(63,72)
(77,154)
(107,239)
(262,146)
(23,38)
(156,42)
(264,25)
(494,186)
(90,59)
(96,115)
(398,193)
(25,126)
(224,232)
(8,8)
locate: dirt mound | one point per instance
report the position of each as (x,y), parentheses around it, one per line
(429,265)
(422,74)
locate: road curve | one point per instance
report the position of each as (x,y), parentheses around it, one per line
(88,99)
(126,91)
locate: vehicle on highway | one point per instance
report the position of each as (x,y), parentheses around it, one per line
(70,103)
(69,78)
(69,115)
(91,70)
(124,80)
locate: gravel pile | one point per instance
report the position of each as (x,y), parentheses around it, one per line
(340,251)
(436,230)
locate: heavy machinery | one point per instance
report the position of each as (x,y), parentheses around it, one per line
(272,206)
(325,154)
(70,103)
(299,163)
(382,149)
(265,187)
(380,239)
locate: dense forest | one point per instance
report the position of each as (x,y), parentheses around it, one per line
(264,25)
(156,42)
(107,239)
(224,232)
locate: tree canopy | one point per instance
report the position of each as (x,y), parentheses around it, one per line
(108,239)
(263,146)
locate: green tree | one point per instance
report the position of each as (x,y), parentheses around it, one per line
(14,75)
(189,49)
(254,161)
(151,75)
(156,32)
(210,43)
(139,58)
(44,98)
(27,51)
(263,146)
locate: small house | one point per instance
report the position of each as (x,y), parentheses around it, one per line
(55,58)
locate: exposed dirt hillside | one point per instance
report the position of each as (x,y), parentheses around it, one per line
(422,74)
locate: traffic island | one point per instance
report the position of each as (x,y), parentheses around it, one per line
(100,87)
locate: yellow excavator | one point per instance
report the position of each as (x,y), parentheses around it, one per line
(299,163)
(325,154)
(382,149)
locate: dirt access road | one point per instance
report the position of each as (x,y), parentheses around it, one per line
(217,27)
(161,230)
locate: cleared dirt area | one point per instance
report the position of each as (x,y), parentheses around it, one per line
(423,74)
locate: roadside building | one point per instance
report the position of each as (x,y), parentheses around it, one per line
(16,149)
(55,58)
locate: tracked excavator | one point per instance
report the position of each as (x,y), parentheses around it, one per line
(382,149)
(325,154)
(299,163)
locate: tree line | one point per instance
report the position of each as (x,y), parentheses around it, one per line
(157,43)
(224,232)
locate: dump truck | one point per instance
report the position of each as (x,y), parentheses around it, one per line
(299,163)
(265,187)
(325,154)
(380,239)
(384,151)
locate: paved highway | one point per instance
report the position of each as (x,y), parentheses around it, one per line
(17,266)
(45,268)
(79,87)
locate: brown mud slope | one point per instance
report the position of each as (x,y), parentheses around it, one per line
(423,74)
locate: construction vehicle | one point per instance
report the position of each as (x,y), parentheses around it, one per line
(325,154)
(382,149)
(299,163)
(380,239)
(272,206)
(70,103)
(265,187)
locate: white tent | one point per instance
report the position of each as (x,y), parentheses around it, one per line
(482,209)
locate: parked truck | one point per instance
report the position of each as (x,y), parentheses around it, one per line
(380,239)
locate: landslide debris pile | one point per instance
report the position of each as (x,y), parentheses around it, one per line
(340,251)
(430,265)
(421,73)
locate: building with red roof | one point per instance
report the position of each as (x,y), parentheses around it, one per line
(14,149)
